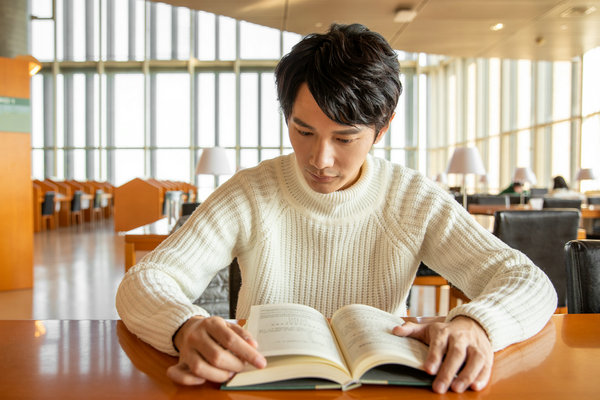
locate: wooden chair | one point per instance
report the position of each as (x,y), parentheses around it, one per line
(76,211)
(96,208)
(49,214)
(428,277)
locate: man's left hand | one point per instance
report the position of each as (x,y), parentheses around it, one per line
(461,342)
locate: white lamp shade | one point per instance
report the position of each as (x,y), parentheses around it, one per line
(466,160)
(585,173)
(214,161)
(523,175)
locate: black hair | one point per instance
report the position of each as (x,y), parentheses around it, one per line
(560,183)
(352,73)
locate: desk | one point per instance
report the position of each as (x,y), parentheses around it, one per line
(102,359)
(144,238)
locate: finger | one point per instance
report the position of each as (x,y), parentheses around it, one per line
(227,338)
(179,373)
(244,334)
(473,367)
(410,329)
(198,366)
(484,377)
(455,357)
(438,345)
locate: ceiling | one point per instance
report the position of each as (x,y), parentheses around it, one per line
(533,29)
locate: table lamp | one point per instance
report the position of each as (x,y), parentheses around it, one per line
(213,161)
(465,160)
(585,174)
(524,175)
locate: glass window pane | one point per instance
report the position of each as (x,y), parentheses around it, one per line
(289,40)
(173,110)
(37,164)
(183,33)
(129,110)
(205,116)
(78,111)
(120,20)
(524,94)
(561,90)
(258,42)
(227,109)
(163,31)
(173,165)
(227,40)
(60,110)
(561,155)
(41,8)
(42,40)
(140,29)
(493,164)
(524,149)
(471,101)
(270,112)
(590,143)
(398,157)
(494,93)
(129,164)
(60,166)
(79,168)
(267,154)
(77,30)
(206,36)
(249,109)
(248,158)
(591,81)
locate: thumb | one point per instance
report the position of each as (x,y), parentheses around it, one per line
(410,329)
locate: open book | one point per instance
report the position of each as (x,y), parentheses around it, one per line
(306,351)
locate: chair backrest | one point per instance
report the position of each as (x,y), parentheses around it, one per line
(493,200)
(541,235)
(557,202)
(188,208)
(98,198)
(76,201)
(583,276)
(235,282)
(538,192)
(48,204)
(593,200)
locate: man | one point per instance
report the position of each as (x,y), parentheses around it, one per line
(331,225)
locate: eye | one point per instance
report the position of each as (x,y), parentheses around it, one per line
(304,133)
(345,141)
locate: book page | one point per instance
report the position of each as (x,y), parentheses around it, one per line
(365,335)
(293,329)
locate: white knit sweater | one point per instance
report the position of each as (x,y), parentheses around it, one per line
(358,245)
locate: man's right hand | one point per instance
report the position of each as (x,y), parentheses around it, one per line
(212,349)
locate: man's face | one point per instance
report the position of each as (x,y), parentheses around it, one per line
(329,154)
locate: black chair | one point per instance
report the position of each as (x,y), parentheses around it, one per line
(538,192)
(49,216)
(557,202)
(188,208)
(541,235)
(583,276)
(76,211)
(96,210)
(593,200)
(493,200)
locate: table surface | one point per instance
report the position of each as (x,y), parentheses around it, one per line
(102,359)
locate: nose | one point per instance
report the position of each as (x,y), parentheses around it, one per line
(322,155)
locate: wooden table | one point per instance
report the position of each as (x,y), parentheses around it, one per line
(102,360)
(144,238)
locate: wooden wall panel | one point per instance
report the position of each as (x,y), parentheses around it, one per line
(16,194)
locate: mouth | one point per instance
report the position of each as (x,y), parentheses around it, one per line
(321,178)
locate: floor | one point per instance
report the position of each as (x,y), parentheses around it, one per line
(78,269)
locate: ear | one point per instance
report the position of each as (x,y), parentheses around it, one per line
(383,130)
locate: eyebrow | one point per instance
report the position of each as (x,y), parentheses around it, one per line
(351,130)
